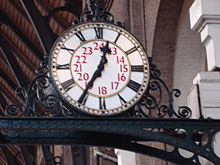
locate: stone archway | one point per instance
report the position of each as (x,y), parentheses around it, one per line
(165,37)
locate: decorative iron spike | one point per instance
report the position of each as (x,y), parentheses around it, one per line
(96,11)
(97,7)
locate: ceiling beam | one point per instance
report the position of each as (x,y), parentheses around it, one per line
(58,18)
(43,30)
(10,95)
(31,64)
(7,79)
(9,157)
(12,61)
(5,19)
(3,101)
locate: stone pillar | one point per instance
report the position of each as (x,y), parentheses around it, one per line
(205,18)
(204,98)
(205,95)
(125,157)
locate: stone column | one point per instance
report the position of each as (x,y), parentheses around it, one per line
(205,18)
(125,157)
(205,95)
(204,98)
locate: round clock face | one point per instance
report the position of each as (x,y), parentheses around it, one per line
(99,68)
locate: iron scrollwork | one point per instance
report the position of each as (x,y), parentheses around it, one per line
(152,103)
(41,99)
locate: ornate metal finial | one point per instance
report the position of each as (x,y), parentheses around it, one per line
(96,11)
(96,7)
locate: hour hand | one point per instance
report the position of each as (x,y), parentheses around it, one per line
(106,49)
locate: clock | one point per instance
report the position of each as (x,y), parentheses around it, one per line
(99,68)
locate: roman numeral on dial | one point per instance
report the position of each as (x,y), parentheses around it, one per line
(69,84)
(64,66)
(137,68)
(80,36)
(116,39)
(131,50)
(122,100)
(102,104)
(134,85)
(68,49)
(99,32)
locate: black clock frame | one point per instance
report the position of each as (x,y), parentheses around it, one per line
(56,92)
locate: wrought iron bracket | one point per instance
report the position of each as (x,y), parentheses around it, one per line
(121,133)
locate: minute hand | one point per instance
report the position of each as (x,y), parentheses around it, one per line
(98,71)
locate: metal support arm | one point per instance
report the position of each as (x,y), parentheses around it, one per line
(119,133)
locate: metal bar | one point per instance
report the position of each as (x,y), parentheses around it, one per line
(108,140)
(9,157)
(64,130)
(43,30)
(12,61)
(5,19)
(48,157)
(8,80)
(82,123)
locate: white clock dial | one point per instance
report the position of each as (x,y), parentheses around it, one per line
(99,68)
(115,75)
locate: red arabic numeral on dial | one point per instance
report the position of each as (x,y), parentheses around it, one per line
(83,77)
(102,90)
(96,45)
(78,67)
(120,59)
(121,77)
(114,51)
(124,68)
(84,59)
(87,50)
(114,85)
(81,59)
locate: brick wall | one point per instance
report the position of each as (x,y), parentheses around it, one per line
(189,55)
(151,10)
(155,22)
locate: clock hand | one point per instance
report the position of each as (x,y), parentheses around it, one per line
(98,71)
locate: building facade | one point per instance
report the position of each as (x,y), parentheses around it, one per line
(182,37)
